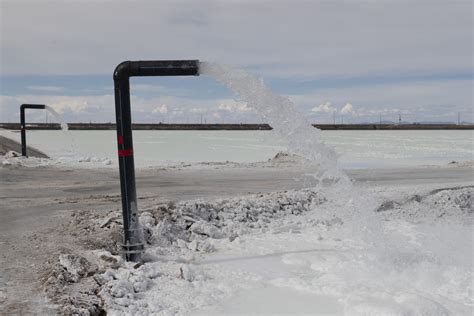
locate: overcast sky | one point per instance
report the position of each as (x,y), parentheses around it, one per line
(353,60)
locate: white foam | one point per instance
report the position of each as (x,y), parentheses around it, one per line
(279,112)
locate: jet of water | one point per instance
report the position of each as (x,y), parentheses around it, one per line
(353,205)
(287,123)
(58,117)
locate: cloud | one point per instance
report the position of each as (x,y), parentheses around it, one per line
(163,109)
(234,106)
(377,37)
(198,110)
(148,88)
(417,101)
(45,88)
(72,108)
(324,108)
(348,109)
(421,100)
(102,109)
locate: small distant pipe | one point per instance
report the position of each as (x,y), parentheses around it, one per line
(133,244)
(23,124)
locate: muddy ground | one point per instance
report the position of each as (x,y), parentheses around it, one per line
(43,210)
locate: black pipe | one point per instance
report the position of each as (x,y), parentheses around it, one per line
(133,242)
(23,124)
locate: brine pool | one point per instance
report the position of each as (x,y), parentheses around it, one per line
(357,149)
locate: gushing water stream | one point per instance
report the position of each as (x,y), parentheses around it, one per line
(65,129)
(278,111)
(58,117)
(355,207)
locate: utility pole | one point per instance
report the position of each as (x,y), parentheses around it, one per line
(399,119)
(334,117)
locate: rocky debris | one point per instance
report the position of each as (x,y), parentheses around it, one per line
(107,260)
(107,162)
(194,224)
(72,286)
(110,220)
(12,154)
(285,157)
(94,232)
(387,205)
(73,281)
(6,163)
(76,266)
(456,203)
(205,229)
(189,273)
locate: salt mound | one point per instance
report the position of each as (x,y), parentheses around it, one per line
(452,203)
(286,157)
(195,221)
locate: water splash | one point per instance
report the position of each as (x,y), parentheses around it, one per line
(288,124)
(58,117)
(352,205)
(65,128)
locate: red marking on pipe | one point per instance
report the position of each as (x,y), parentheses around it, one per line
(120,139)
(125,152)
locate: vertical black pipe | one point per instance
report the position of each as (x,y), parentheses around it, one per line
(23,131)
(23,124)
(133,244)
(133,239)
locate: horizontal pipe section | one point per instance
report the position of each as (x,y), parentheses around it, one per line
(145,68)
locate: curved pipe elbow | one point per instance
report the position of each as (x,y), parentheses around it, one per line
(122,71)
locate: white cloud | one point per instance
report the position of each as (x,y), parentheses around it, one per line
(424,100)
(325,107)
(102,108)
(348,109)
(162,109)
(46,88)
(198,110)
(417,101)
(233,106)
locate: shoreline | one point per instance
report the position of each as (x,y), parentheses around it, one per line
(235,127)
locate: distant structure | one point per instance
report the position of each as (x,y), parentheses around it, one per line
(399,118)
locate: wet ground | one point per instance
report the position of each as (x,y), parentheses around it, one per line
(36,201)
